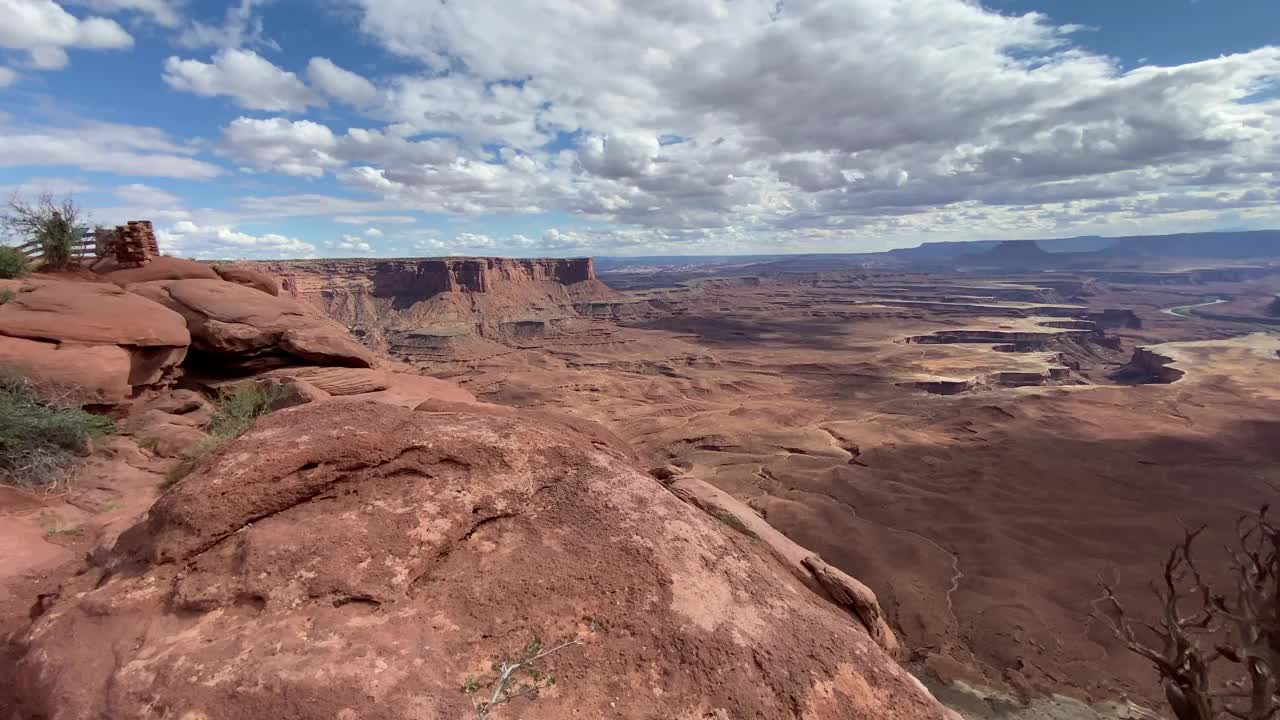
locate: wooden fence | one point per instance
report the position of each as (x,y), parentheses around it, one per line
(85,249)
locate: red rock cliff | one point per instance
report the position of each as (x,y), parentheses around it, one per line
(421,278)
(380,300)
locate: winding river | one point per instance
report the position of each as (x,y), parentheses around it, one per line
(1184,311)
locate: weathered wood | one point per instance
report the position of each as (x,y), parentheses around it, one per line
(79,251)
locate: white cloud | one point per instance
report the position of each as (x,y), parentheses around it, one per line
(621,155)
(706,125)
(311,205)
(38,185)
(808,122)
(7,77)
(300,148)
(474,240)
(339,83)
(366,219)
(243,75)
(224,242)
(373,232)
(45,30)
(146,196)
(240,27)
(49,58)
(350,243)
(162,12)
(307,149)
(102,147)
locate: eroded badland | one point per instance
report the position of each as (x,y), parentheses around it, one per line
(978,447)
(977,438)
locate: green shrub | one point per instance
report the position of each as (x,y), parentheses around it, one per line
(237,408)
(39,438)
(58,239)
(7,295)
(13,264)
(51,222)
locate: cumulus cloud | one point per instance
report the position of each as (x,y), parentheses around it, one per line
(307,149)
(474,240)
(103,147)
(252,81)
(373,232)
(299,148)
(350,243)
(224,242)
(339,83)
(808,121)
(619,156)
(46,30)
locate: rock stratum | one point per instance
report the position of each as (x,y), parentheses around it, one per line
(432,308)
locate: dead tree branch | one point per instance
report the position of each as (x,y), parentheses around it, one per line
(1197,627)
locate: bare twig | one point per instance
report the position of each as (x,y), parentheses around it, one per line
(508,685)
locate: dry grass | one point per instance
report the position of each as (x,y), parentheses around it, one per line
(41,435)
(237,409)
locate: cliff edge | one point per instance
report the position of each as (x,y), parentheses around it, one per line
(441,307)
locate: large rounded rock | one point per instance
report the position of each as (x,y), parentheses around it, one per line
(358,560)
(91,339)
(248,277)
(157,268)
(89,312)
(94,374)
(242,324)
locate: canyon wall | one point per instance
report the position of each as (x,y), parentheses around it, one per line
(432,308)
(425,277)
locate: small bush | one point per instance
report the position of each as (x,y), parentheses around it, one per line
(514,679)
(58,239)
(39,439)
(13,264)
(53,223)
(7,295)
(237,409)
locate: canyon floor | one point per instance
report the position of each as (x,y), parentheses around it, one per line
(978,449)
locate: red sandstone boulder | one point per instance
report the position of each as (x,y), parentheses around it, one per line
(92,338)
(244,326)
(96,374)
(91,313)
(358,560)
(166,434)
(248,277)
(158,268)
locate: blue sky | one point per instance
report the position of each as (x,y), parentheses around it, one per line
(281,128)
